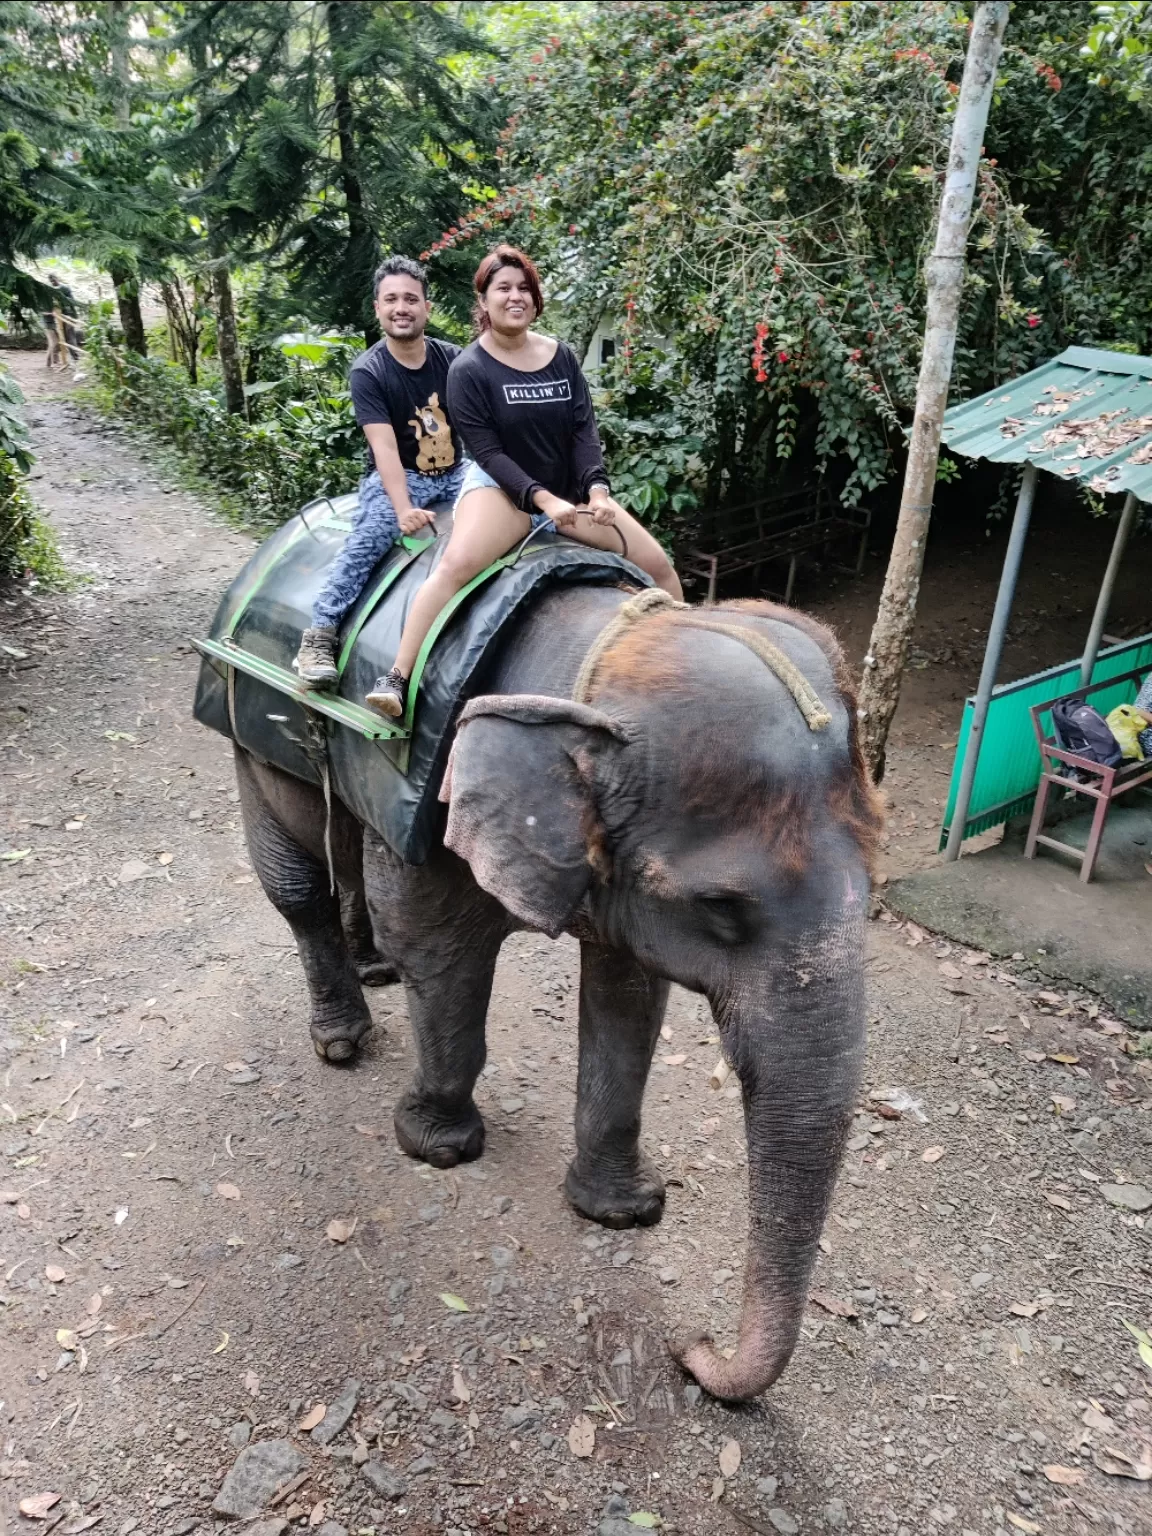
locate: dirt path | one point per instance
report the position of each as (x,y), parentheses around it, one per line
(174,1153)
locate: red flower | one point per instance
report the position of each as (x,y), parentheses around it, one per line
(1033,321)
(571,229)
(854,355)
(762,329)
(782,357)
(761,377)
(424,255)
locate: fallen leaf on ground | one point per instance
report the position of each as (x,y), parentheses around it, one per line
(730,1458)
(460,1388)
(1024,1308)
(456,1303)
(932,1155)
(365,1130)
(8,1197)
(1061,1202)
(121,1216)
(1021,1524)
(66,1338)
(251,1382)
(644,1520)
(1068,1058)
(95,1302)
(1119,1464)
(1096,1418)
(54,1274)
(1062,1104)
(314,1416)
(582,1436)
(165,858)
(953,972)
(15,855)
(1067,1477)
(1036,1056)
(223,1344)
(339,1231)
(316,1514)
(677,1060)
(227,1191)
(37,1508)
(84,1523)
(1143,1341)
(918,1316)
(235,1066)
(23,1211)
(833,1304)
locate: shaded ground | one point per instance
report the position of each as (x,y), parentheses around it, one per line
(173,1156)
(1092,935)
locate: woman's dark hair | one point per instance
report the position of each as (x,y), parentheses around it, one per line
(504,256)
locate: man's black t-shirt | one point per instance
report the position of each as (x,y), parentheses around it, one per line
(412,401)
(528,430)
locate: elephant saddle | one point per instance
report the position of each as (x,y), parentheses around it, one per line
(386,772)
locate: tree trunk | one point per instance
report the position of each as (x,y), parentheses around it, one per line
(227,345)
(888,650)
(128,303)
(363,249)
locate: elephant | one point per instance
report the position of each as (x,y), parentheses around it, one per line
(686,821)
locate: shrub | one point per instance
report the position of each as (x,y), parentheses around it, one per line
(294,451)
(26,543)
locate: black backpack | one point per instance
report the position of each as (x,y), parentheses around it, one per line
(1081,729)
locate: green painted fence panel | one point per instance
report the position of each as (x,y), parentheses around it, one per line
(1009,767)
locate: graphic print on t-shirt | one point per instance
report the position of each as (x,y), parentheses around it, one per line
(538,394)
(434,450)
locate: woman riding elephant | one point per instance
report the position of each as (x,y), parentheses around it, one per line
(521,405)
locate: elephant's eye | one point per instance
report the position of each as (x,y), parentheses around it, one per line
(729,916)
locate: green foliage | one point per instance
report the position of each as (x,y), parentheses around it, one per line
(293,451)
(26,543)
(1120,48)
(749,191)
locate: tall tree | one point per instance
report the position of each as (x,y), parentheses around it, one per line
(124,279)
(944,275)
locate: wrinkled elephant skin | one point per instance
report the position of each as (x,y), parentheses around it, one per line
(686,825)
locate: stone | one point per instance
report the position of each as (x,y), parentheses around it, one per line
(271,1527)
(669,1275)
(766,1487)
(240,1434)
(888,1319)
(339,1412)
(421,1465)
(783,1521)
(503,1258)
(243,1078)
(520,1416)
(329,1528)
(692,1395)
(288,1261)
(979,1281)
(1129,1197)
(865,1295)
(387,1483)
(835,1514)
(255,1476)
(410,1394)
(503,1204)
(399,1288)
(621,1257)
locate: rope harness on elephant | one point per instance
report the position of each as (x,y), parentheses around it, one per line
(656,600)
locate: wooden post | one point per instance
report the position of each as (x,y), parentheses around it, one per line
(892,632)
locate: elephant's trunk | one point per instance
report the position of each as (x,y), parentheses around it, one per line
(800,1073)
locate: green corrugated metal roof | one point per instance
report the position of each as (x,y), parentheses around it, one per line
(1086,415)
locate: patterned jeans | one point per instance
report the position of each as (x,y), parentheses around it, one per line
(373,534)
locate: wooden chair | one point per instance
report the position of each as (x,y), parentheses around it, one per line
(1104,784)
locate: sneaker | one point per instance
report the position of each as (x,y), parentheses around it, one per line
(316,658)
(390,695)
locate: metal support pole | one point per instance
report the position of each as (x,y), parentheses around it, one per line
(992,652)
(1104,601)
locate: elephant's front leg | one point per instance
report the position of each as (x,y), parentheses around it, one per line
(621,1010)
(445,934)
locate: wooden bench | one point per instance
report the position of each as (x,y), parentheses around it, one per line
(776,528)
(1106,784)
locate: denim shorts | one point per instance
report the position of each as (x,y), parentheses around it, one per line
(477,479)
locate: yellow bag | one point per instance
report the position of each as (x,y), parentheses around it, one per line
(1126,723)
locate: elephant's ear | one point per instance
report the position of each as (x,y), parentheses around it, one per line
(518,788)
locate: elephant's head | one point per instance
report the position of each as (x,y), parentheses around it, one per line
(691,815)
